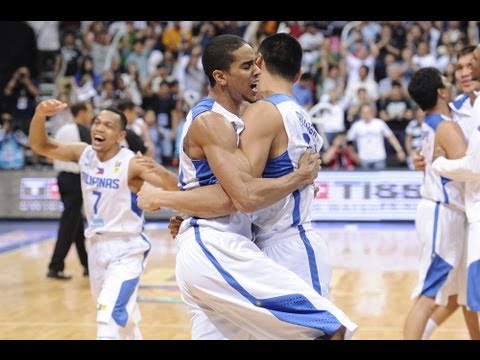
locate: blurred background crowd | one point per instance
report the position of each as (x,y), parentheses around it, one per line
(355,77)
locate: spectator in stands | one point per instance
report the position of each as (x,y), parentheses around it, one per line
(139,56)
(66,63)
(155,133)
(311,41)
(164,106)
(302,90)
(386,44)
(362,54)
(331,110)
(368,134)
(413,136)
(355,105)
(190,72)
(333,80)
(396,111)
(363,81)
(20,96)
(341,154)
(86,73)
(422,57)
(12,145)
(394,73)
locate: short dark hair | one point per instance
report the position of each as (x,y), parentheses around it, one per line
(123,118)
(283,55)
(77,107)
(423,87)
(126,104)
(218,54)
(466,50)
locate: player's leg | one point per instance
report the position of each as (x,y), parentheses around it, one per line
(230,275)
(117,312)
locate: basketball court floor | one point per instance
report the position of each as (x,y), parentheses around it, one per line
(374,271)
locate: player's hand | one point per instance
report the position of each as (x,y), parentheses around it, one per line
(149,163)
(50,107)
(309,165)
(146,195)
(174,225)
(418,160)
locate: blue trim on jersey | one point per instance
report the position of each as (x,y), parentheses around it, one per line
(311,261)
(145,238)
(119,313)
(435,225)
(445,181)
(292,308)
(180,180)
(473,286)
(433,120)
(205,104)
(436,276)
(203,172)
(296,208)
(134,206)
(281,165)
(279,98)
(458,103)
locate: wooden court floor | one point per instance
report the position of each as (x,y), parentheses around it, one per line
(374,271)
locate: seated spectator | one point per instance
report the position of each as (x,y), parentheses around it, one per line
(12,144)
(341,154)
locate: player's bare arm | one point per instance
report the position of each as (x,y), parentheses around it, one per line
(233,169)
(213,200)
(144,168)
(263,135)
(46,146)
(450,138)
(205,202)
(465,168)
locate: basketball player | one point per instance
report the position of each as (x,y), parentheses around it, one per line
(461,110)
(283,230)
(468,169)
(117,247)
(440,219)
(218,274)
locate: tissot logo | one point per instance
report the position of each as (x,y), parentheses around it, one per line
(367,190)
(362,195)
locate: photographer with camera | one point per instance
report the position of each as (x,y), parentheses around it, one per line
(341,155)
(20,99)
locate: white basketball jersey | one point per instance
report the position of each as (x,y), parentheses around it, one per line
(294,209)
(196,173)
(462,114)
(110,207)
(436,187)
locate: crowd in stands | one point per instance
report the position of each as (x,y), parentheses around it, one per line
(354,82)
